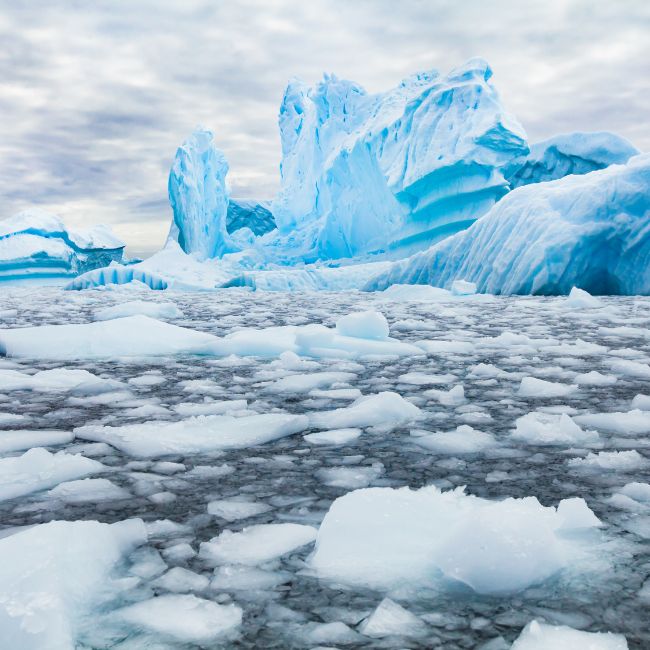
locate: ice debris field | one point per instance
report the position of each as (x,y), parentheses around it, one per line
(405,403)
(349,469)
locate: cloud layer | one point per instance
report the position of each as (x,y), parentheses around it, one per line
(95,97)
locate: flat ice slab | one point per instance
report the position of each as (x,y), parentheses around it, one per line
(540,636)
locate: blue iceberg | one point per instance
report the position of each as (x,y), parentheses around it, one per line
(199,197)
(390,173)
(251,214)
(36,245)
(590,231)
(570,153)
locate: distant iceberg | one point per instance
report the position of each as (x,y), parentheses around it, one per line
(590,231)
(570,153)
(36,245)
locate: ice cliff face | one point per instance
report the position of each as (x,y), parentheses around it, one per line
(247,213)
(391,172)
(590,231)
(35,244)
(199,197)
(570,153)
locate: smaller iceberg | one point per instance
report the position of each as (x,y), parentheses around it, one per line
(199,197)
(569,153)
(36,245)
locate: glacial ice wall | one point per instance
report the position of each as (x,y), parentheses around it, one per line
(199,197)
(590,231)
(391,172)
(36,245)
(569,153)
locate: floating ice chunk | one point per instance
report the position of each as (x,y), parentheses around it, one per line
(148,379)
(9,419)
(122,337)
(256,544)
(53,574)
(628,424)
(441,348)
(382,409)
(595,378)
(335,632)
(487,371)
(303,383)
(391,619)
(333,437)
(217,407)
(159,310)
(540,636)
(576,514)
(20,440)
(57,380)
(581,299)
(625,461)
(384,538)
(364,325)
(463,288)
(453,397)
(186,618)
(233,510)
(630,368)
(464,440)
(200,434)
(424,379)
(637,491)
(551,429)
(247,578)
(38,469)
(88,490)
(641,402)
(540,388)
(180,580)
(350,477)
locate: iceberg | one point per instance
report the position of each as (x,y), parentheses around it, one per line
(590,231)
(199,197)
(391,172)
(251,214)
(569,153)
(36,245)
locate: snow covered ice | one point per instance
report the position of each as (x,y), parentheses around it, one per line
(237,425)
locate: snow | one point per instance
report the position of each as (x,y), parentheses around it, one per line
(183,618)
(199,434)
(547,238)
(54,575)
(38,469)
(199,198)
(386,409)
(383,538)
(159,310)
(541,636)
(256,544)
(36,245)
(569,153)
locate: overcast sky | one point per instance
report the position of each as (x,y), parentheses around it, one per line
(95,97)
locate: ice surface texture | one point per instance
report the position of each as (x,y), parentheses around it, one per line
(199,198)
(394,171)
(36,245)
(569,153)
(591,231)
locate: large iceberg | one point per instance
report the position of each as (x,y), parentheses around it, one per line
(569,153)
(35,244)
(199,197)
(395,171)
(590,231)
(251,214)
